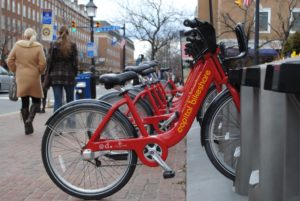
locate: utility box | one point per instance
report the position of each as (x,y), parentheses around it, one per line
(85,86)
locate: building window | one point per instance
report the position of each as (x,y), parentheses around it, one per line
(264,20)
(13,6)
(24,11)
(14,25)
(296,20)
(8,5)
(19,28)
(37,16)
(2,21)
(33,15)
(29,13)
(19,8)
(3,4)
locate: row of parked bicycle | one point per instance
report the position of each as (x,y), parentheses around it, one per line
(91,148)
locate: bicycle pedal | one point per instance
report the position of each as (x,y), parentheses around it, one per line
(169,174)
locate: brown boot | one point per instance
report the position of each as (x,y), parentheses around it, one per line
(28,126)
(33,109)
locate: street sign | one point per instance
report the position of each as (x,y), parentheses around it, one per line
(107,28)
(91,50)
(48,27)
(47,16)
(47,32)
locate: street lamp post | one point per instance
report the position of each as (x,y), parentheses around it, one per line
(91,9)
(256,34)
(124,48)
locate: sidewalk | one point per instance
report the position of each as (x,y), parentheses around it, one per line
(204,182)
(22,175)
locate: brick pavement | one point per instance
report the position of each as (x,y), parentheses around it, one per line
(23,178)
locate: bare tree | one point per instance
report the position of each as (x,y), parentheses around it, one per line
(5,38)
(152,22)
(285,21)
(170,55)
(229,22)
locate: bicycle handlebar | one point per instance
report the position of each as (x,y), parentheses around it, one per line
(190,23)
(192,33)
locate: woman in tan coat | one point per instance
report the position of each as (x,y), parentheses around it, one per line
(27,60)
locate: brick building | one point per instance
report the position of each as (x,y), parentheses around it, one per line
(271,31)
(17,15)
(110,50)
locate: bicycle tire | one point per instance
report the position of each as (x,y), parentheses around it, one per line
(102,176)
(210,95)
(142,106)
(221,134)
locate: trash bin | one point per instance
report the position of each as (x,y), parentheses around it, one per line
(85,86)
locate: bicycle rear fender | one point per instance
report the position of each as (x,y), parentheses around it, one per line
(79,102)
(211,106)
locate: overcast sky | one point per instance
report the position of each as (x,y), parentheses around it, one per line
(109,10)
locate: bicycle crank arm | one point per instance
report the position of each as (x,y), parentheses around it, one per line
(168,172)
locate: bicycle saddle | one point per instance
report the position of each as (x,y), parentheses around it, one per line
(111,79)
(148,71)
(164,69)
(138,69)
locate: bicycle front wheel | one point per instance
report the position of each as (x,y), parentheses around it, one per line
(210,95)
(222,131)
(65,136)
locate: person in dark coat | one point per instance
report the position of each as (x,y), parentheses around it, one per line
(63,63)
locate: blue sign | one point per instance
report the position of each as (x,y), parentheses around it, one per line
(107,28)
(91,50)
(54,37)
(90,45)
(47,17)
(90,53)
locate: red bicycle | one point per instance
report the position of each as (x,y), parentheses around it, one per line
(90,149)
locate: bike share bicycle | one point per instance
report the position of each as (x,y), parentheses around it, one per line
(97,155)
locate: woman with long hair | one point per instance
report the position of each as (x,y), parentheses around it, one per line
(27,60)
(62,62)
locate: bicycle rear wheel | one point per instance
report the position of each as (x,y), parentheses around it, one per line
(221,131)
(65,136)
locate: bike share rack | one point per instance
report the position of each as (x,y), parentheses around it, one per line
(269,164)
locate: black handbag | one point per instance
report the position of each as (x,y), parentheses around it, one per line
(47,80)
(13,91)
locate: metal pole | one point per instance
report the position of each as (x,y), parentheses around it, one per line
(92,37)
(256,36)
(211,19)
(181,55)
(124,48)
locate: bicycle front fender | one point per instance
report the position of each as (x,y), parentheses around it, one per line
(209,110)
(75,103)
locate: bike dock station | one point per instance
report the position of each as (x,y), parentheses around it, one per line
(269,164)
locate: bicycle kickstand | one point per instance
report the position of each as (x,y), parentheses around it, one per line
(168,172)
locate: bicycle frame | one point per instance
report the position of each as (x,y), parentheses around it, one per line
(210,71)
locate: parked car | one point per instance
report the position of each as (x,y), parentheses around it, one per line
(6,79)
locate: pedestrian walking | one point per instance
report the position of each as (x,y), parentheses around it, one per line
(27,60)
(63,67)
